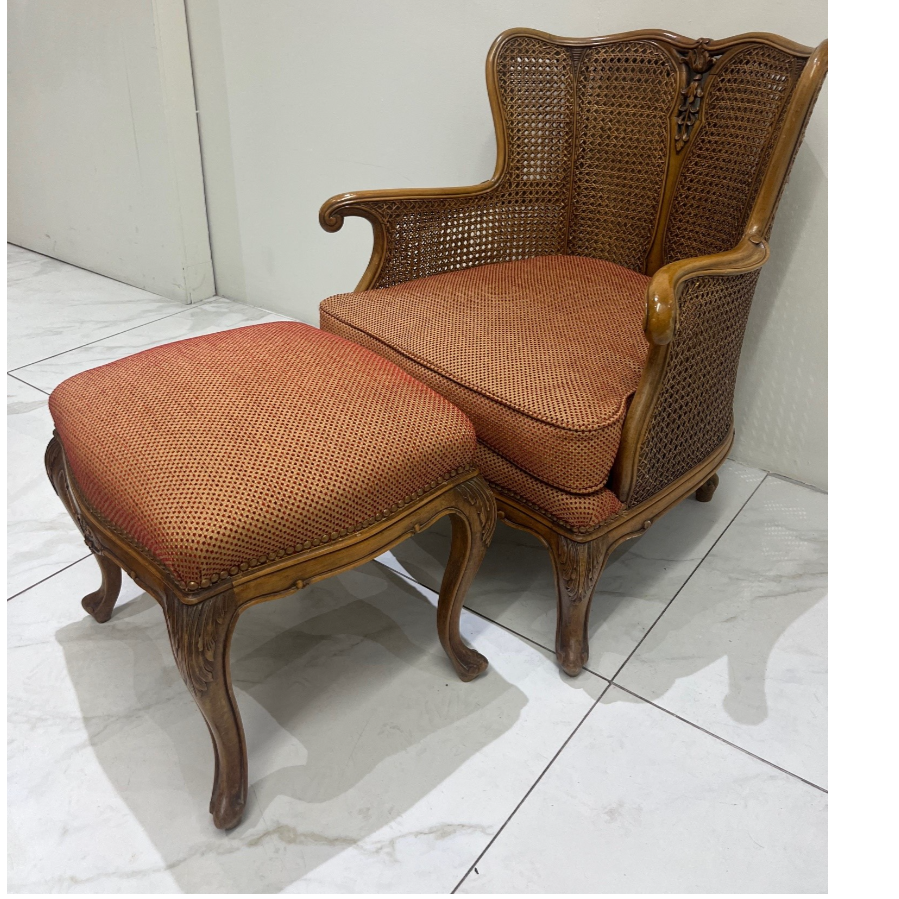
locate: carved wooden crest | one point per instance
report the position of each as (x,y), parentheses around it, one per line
(698,61)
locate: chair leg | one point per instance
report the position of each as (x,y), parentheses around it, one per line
(578,567)
(705,493)
(473,524)
(201,638)
(101,602)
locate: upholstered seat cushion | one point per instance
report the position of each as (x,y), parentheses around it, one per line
(543,355)
(218,452)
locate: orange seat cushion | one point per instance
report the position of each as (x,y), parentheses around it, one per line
(543,355)
(219,452)
(582,512)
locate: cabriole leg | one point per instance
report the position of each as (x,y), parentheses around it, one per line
(201,638)
(473,527)
(578,567)
(101,602)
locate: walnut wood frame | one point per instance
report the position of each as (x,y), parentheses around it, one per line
(578,558)
(200,624)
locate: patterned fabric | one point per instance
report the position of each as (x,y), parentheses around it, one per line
(542,355)
(219,452)
(582,512)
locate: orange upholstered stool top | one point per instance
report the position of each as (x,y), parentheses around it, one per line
(219,453)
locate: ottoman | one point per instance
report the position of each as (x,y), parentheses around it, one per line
(231,469)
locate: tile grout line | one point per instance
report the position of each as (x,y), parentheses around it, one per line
(789,480)
(687,581)
(47,578)
(91,271)
(9,374)
(727,742)
(81,346)
(532,787)
(199,305)
(484,617)
(549,649)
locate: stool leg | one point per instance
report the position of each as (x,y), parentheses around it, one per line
(100,603)
(474,520)
(201,639)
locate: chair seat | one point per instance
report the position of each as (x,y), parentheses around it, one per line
(216,453)
(543,355)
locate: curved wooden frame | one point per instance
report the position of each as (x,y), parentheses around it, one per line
(578,558)
(200,625)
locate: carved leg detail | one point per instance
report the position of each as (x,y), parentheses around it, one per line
(101,602)
(705,493)
(577,567)
(201,637)
(472,532)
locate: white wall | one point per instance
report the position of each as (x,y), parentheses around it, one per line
(104,159)
(299,101)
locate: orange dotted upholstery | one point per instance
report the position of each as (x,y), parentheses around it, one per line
(542,355)
(218,452)
(582,512)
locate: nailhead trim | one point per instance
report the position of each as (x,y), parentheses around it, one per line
(193,586)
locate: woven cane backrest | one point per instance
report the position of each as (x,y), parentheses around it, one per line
(638,149)
(744,99)
(626,91)
(535,80)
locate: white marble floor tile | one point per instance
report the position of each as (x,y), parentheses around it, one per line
(40,535)
(372,768)
(639,802)
(742,650)
(515,586)
(53,307)
(213,315)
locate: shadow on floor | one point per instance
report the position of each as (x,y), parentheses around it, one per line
(352,712)
(765,584)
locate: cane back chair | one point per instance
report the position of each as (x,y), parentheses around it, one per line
(586,305)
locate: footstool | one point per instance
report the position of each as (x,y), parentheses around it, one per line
(231,469)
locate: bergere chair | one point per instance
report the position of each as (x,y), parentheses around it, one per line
(586,305)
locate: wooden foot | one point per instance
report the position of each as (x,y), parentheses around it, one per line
(101,602)
(705,493)
(577,567)
(201,637)
(474,522)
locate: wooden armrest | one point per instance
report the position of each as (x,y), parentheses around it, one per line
(364,203)
(748,255)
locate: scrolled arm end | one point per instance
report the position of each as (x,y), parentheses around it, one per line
(333,211)
(661,296)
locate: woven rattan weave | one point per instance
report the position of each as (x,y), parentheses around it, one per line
(648,151)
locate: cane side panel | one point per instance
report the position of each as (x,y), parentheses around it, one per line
(694,409)
(524,215)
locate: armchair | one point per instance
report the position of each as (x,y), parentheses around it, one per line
(586,305)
